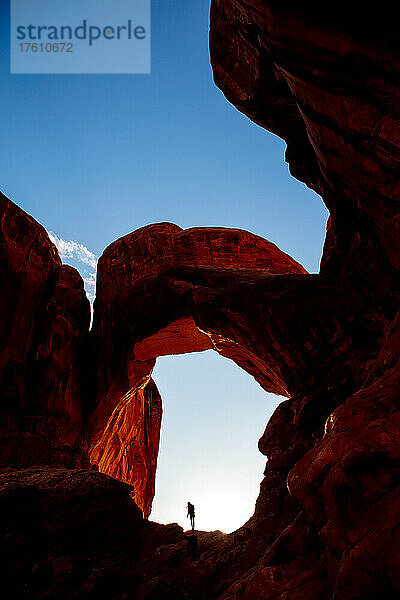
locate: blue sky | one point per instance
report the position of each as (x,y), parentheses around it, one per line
(94,157)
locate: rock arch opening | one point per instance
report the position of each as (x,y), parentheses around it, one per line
(214,414)
(165,291)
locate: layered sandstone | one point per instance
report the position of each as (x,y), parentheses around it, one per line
(327,519)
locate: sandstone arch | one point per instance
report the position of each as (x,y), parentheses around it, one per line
(164,290)
(327,518)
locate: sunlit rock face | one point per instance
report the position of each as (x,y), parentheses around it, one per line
(127,446)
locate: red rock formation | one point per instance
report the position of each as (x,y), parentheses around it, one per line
(127,447)
(44,326)
(163,290)
(326,523)
(61,529)
(329,87)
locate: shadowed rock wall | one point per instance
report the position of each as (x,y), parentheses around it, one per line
(326,523)
(328,85)
(43,347)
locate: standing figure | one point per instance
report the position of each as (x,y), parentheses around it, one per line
(190,513)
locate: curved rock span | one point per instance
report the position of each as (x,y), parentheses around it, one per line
(326,523)
(163,290)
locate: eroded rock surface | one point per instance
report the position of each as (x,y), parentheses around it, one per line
(329,87)
(326,523)
(43,347)
(163,290)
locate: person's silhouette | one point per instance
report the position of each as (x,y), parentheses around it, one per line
(190,513)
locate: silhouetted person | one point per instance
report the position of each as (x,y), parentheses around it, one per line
(192,546)
(190,513)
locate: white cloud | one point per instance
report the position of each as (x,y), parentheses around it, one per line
(80,257)
(75,250)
